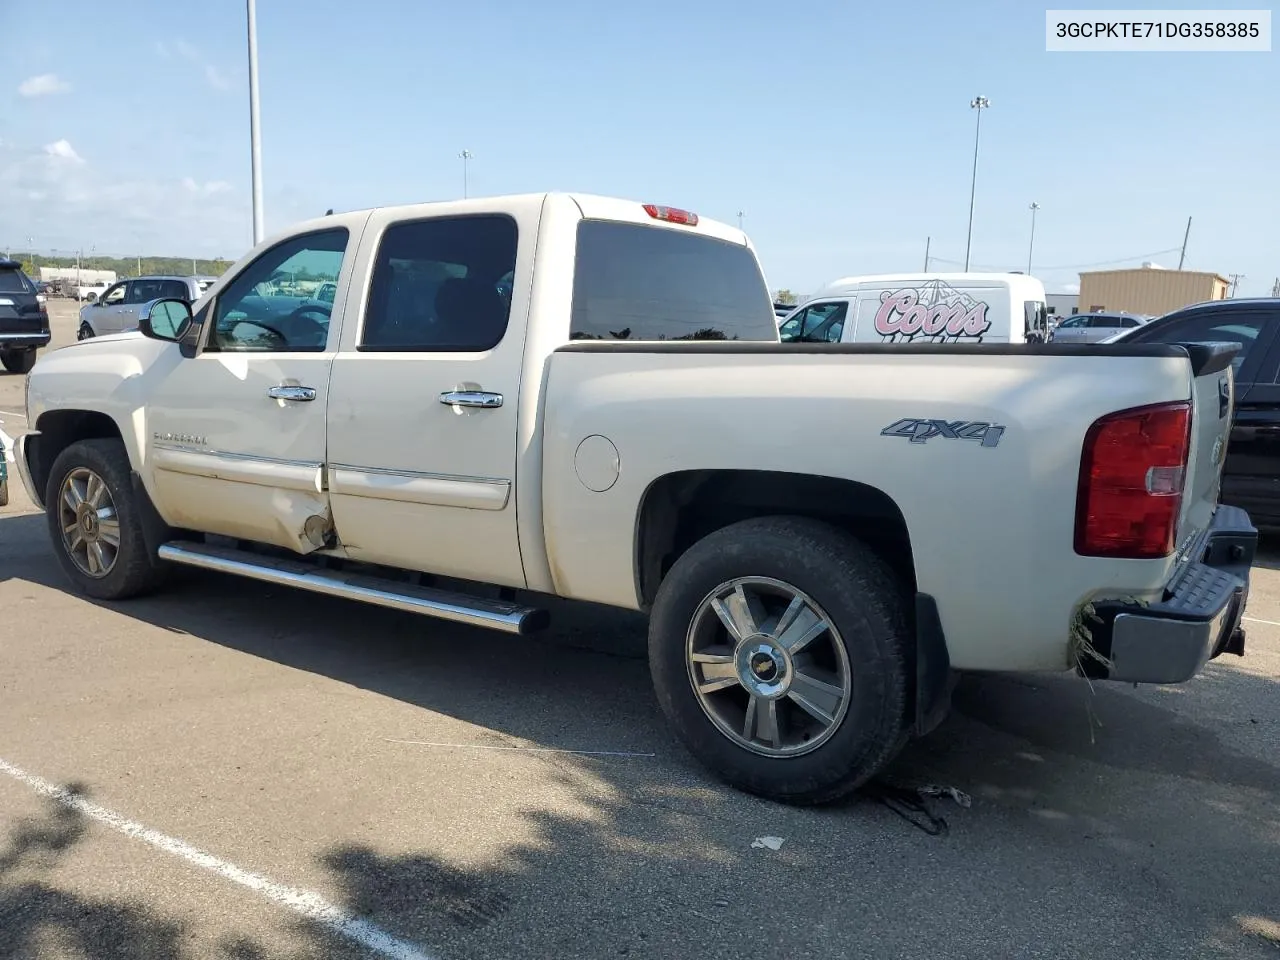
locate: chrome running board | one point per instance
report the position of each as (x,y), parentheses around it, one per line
(428,601)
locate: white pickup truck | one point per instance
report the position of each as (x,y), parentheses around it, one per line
(567,395)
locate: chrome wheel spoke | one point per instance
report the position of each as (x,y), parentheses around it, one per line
(76,542)
(95,491)
(71,496)
(762,722)
(97,563)
(740,612)
(803,627)
(819,699)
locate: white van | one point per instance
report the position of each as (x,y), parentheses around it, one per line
(922,308)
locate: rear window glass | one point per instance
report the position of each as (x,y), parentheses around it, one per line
(634,282)
(13,281)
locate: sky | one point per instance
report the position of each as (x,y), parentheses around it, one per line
(842,131)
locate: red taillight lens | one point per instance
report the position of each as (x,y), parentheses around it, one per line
(671,214)
(1131,479)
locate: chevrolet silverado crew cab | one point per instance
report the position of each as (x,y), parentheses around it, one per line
(564,395)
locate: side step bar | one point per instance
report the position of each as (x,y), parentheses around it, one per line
(457,607)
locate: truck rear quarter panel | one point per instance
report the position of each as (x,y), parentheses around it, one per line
(991,527)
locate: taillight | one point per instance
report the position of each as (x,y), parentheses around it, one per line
(671,214)
(1131,479)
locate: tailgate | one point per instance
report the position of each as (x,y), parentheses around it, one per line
(1213,402)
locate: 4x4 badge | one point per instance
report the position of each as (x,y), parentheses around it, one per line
(918,430)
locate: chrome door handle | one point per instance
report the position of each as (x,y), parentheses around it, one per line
(471,398)
(292,393)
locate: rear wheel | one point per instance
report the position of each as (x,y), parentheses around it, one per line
(18,361)
(95,522)
(778,648)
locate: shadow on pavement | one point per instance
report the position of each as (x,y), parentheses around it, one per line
(1106,822)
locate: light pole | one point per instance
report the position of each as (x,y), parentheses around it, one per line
(1032,245)
(255,144)
(465,157)
(979,104)
(740,215)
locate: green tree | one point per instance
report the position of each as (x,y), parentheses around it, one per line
(785,296)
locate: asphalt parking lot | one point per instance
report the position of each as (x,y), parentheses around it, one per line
(230,770)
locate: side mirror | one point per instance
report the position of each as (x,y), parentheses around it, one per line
(167,319)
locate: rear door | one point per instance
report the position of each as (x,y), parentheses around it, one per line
(425,394)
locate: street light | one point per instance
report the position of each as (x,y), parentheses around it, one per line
(255,144)
(1032,245)
(465,156)
(979,104)
(740,215)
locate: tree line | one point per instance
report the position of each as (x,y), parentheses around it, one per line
(129,266)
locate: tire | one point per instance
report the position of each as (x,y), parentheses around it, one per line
(18,361)
(133,570)
(4,492)
(836,578)
(85,331)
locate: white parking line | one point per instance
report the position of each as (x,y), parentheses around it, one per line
(11,413)
(304,902)
(1270,623)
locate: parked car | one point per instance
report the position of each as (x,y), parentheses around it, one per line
(781,310)
(964,308)
(1251,473)
(1095,327)
(820,534)
(117,309)
(24,319)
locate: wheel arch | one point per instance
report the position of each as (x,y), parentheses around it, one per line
(680,508)
(55,430)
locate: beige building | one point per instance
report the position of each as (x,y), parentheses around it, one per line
(1148,289)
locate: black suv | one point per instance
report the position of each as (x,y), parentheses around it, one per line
(24,321)
(1251,473)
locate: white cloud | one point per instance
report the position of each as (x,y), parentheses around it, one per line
(64,150)
(205,189)
(1071,288)
(46,84)
(76,203)
(214,75)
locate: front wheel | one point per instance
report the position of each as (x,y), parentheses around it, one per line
(85,331)
(18,361)
(778,648)
(95,522)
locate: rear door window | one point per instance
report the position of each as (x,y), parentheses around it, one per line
(638,282)
(438,285)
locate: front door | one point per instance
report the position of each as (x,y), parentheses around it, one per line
(236,434)
(425,395)
(105,311)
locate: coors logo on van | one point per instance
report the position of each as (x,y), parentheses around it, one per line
(933,312)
